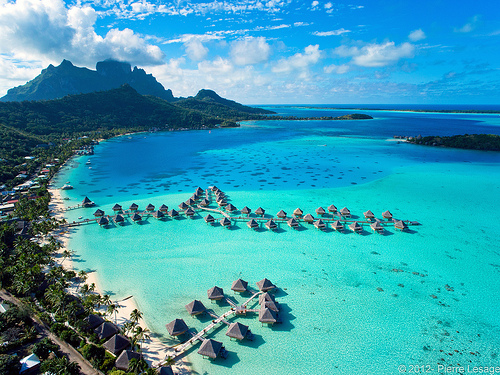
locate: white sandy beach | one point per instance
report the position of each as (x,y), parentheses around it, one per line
(154,351)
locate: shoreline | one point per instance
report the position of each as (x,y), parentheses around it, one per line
(153,350)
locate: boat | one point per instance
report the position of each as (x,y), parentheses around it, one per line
(88,162)
(67,187)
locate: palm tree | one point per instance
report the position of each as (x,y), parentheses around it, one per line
(67,254)
(112,308)
(135,315)
(136,365)
(141,334)
(106,300)
(169,361)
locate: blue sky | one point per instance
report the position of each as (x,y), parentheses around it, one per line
(270,52)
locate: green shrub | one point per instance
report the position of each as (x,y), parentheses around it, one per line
(43,348)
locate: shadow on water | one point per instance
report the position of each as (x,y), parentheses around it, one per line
(286,316)
(257,341)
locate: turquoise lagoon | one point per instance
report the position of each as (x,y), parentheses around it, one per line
(350,303)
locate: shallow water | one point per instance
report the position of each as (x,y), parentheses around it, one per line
(350,303)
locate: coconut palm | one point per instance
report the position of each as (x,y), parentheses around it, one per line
(135,315)
(141,334)
(112,309)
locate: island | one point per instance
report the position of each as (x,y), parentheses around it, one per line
(483,142)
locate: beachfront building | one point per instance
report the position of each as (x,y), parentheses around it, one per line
(106,330)
(123,360)
(116,344)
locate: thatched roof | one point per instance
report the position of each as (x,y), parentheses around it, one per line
(116,344)
(190,202)
(133,207)
(215,293)
(292,223)
(272,305)
(199,190)
(124,358)
(376,226)
(387,215)
(281,214)
(267,316)
(158,214)
(337,225)
(320,211)
(225,222)
(239,286)
(98,212)
(136,217)
(173,213)
(205,202)
(195,307)
(265,285)
(266,297)
(222,202)
(163,208)
(237,330)
(210,348)
(368,214)
(246,211)
(252,224)
(150,207)
(260,211)
(209,218)
(271,224)
(118,219)
(93,321)
(230,208)
(214,188)
(355,227)
(166,370)
(117,207)
(176,327)
(332,208)
(86,200)
(400,224)
(189,212)
(298,212)
(319,224)
(106,330)
(345,211)
(103,220)
(309,218)
(183,206)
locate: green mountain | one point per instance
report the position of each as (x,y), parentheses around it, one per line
(67,79)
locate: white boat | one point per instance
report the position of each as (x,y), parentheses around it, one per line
(67,187)
(88,162)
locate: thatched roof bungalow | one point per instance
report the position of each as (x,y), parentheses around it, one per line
(211,348)
(136,217)
(209,219)
(239,286)
(298,212)
(387,215)
(225,222)
(190,212)
(400,224)
(205,202)
(118,219)
(123,360)
(268,316)
(158,214)
(369,215)
(195,307)
(237,331)
(87,202)
(163,208)
(230,208)
(265,285)
(319,224)
(173,213)
(266,297)
(260,211)
(292,223)
(253,224)
(116,344)
(355,227)
(117,207)
(99,213)
(215,293)
(345,212)
(337,225)
(183,206)
(150,208)
(176,327)
(246,211)
(103,220)
(271,225)
(309,219)
(281,214)
(332,209)
(377,227)
(320,211)
(133,207)
(106,330)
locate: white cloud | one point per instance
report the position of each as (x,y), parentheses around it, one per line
(314,4)
(195,49)
(250,51)
(330,33)
(328,5)
(469,26)
(417,35)
(299,61)
(339,69)
(377,55)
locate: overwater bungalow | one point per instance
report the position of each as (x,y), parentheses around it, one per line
(123,360)
(190,202)
(272,305)
(319,224)
(133,207)
(230,208)
(400,225)
(369,215)
(183,206)
(117,208)
(116,344)
(298,212)
(260,211)
(209,219)
(195,308)
(136,217)
(176,327)
(309,219)
(205,202)
(158,214)
(212,349)
(99,213)
(239,331)
(150,208)
(199,190)
(266,297)
(118,219)
(173,213)
(164,208)
(265,285)
(246,211)
(87,202)
(281,214)
(222,203)
(320,211)
(239,286)
(214,188)
(332,209)
(377,227)
(337,225)
(215,293)
(355,227)
(220,194)
(345,212)
(225,222)
(253,224)
(103,220)
(271,225)
(387,215)
(190,212)
(195,197)
(268,316)
(292,223)
(106,330)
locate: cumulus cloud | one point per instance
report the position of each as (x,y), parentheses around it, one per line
(250,51)
(417,35)
(332,32)
(377,55)
(469,26)
(195,49)
(299,61)
(339,69)
(314,4)
(47,29)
